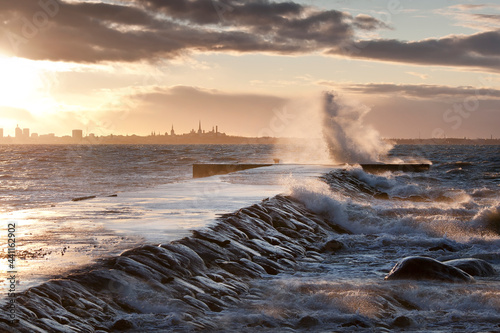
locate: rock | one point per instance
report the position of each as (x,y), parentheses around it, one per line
(212,287)
(270,251)
(230,231)
(196,303)
(307,322)
(214,238)
(78,312)
(54,326)
(122,325)
(253,266)
(258,210)
(332,246)
(472,266)
(270,266)
(186,257)
(402,321)
(423,268)
(4,327)
(238,269)
(357,323)
(443,247)
(414,198)
(213,303)
(209,252)
(289,232)
(247,228)
(272,240)
(135,268)
(61,319)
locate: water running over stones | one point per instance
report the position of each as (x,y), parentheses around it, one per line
(179,283)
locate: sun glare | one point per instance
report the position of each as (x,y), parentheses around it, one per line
(23,85)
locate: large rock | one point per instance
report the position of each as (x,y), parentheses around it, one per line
(473,266)
(423,268)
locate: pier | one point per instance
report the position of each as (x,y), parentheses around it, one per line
(207,170)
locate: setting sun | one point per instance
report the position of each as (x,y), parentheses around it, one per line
(26,85)
(19,82)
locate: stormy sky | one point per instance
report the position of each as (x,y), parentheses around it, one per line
(132,67)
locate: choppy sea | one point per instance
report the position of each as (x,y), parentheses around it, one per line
(156,251)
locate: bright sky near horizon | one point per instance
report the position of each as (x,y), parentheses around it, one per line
(257,67)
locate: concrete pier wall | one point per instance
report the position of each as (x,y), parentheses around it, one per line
(207,170)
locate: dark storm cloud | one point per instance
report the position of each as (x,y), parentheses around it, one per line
(367,22)
(148,29)
(91,32)
(230,12)
(423,91)
(142,30)
(481,50)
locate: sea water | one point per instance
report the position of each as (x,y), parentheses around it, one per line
(451,211)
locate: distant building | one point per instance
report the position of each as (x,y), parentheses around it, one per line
(19,132)
(199,128)
(34,135)
(77,134)
(48,136)
(172,132)
(1,133)
(26,133)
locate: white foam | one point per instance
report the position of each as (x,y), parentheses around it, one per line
(349,139)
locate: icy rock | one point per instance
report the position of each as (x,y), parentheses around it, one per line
(423,268)
(472,266)
(122,324)
(307,322)
(332,246)
(402,321)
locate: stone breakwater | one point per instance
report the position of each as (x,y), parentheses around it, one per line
(179,284)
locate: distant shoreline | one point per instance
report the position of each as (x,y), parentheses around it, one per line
(445,141)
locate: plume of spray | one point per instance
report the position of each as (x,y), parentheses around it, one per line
(349,140)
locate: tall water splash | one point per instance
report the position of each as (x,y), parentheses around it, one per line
(349,140)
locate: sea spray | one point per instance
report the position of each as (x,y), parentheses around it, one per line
(350,140)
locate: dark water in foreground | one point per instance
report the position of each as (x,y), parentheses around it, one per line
(266,268)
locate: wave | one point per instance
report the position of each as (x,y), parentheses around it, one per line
(356,183)
(374,204)
(488,218)
(348,138)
